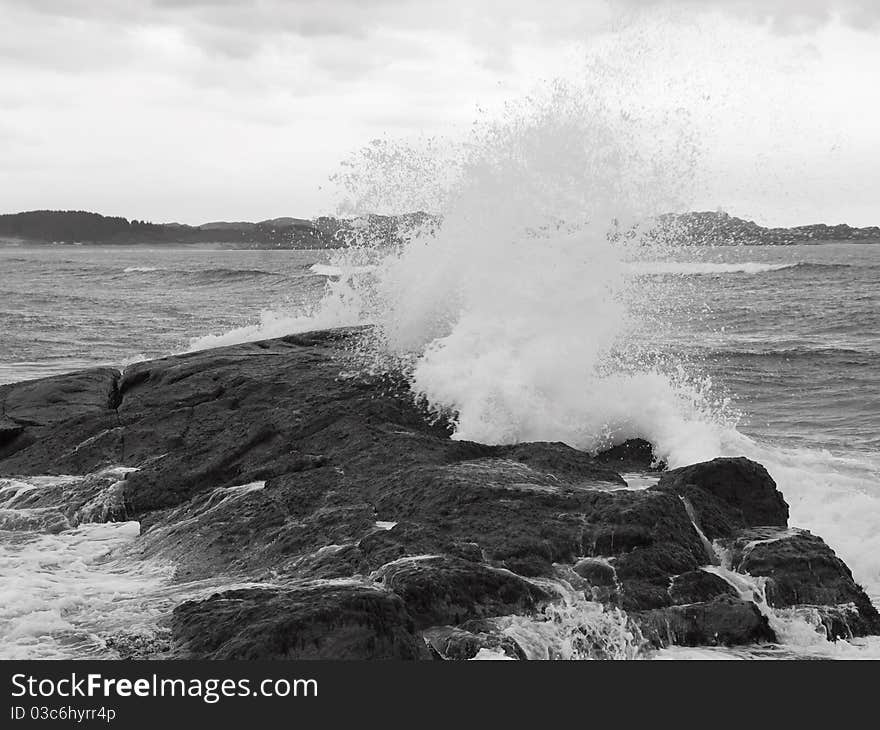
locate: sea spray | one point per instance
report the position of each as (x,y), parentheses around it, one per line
(513,311)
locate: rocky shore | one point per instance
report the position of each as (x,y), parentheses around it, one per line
(362,530)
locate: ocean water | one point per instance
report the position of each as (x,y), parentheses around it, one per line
(68,307)
(771,352)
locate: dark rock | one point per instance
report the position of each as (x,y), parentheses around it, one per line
(525,521)
(308,622)
(47,402)
(443,590)
(465,642)
(595,577)
(840,622)
(207,535)
(802,570)
(727,494)
(9,432)
(51,417)
(722,621)
(596,572)
(633,455)
(698,586)
(560,460)
(651,537)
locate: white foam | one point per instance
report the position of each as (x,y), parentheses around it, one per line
(485,654)
(338,271)
(681,653)
(572,628)
(278,324)
(867,648)
(68,590)
(64,593)
(325,270)
(638,480)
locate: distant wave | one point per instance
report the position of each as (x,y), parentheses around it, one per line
(793,352)
(697,268)
(223,274)
(206,275)
(807,265)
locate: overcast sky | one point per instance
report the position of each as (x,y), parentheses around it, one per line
(197,110)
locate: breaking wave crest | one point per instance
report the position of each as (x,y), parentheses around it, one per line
(702,268)
(212,276)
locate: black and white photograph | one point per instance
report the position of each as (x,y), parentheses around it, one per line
(438,331)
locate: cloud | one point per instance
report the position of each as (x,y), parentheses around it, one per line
(84,35)
(789,16)
(196,109)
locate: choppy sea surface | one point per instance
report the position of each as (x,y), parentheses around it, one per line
(788,335)
(68,307)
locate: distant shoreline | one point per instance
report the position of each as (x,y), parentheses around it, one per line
(6,244)
(50,227)
(73,228)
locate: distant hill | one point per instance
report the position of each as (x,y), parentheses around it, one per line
(720,228)
(75,226)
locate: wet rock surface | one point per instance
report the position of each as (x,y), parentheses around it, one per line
(801,570)
(447,590)
(306,622)
(722,621)
(728,494)
(698,586)
(466,641)
(635,455)
(375,535)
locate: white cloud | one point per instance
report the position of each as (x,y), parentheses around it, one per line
(206,109)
